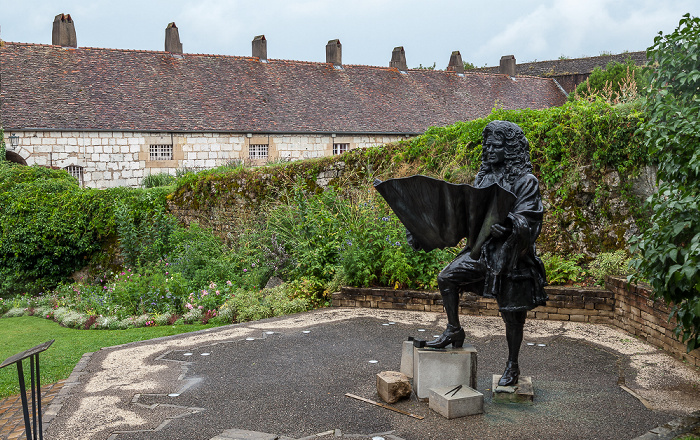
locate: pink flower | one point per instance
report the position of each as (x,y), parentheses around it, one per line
(228,283)
(189,306)
(200,307)
(245,270)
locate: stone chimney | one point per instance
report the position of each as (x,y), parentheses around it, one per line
(334,53)
(507,65)
(63,33)
(172,39)
(398,59)
(260,47)
(456,64)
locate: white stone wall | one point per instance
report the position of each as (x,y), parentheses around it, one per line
(111,159)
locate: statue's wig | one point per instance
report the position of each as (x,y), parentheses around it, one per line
(517,150)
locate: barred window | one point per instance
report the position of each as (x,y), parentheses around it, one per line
(160,152)
(77,172)
(340,148)
(257,151)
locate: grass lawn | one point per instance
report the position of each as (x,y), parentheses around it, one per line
(56,363)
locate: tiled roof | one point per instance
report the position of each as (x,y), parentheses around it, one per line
(572,65)
(50,87)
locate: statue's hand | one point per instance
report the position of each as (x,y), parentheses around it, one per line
(412,241)
(499,231)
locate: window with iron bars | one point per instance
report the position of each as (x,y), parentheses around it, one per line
(160,152)
(77,172)
(257,151)
(340,148)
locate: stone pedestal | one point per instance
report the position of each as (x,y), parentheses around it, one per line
(393,386)
(407,358)
(522,392)
(465,402)
(435,368)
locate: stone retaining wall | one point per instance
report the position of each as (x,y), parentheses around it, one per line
(619,304)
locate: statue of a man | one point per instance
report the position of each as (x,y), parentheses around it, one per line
(507,268)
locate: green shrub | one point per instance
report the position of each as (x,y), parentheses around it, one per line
(375,251)
(201,258)
(156,180)
(618,82)
(309,289)
(152,289)
(144,235)
(15,312)
(669,249)
(609,263)
(50,227)
(561,270)
(310,227)
(246,305)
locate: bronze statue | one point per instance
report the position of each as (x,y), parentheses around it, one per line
(504,265)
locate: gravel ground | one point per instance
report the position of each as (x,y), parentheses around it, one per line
(293,383)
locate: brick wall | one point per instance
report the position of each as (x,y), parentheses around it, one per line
(619,304)
(647,319)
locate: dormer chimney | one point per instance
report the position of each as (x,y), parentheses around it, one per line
(63,33)
(398,59)
(456,64)
(507,65)
(260,47)
(334,53)
(172,39)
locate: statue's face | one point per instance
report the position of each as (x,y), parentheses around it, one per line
(494,150)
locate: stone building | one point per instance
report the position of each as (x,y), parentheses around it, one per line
(569,72)
(111,117)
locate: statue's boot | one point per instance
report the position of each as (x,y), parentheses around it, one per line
(454,333)
(510,375)
(514,337)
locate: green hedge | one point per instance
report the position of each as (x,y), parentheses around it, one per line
(50,227)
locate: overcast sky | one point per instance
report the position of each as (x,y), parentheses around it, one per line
(428,30)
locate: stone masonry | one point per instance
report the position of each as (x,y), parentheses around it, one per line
(114,158)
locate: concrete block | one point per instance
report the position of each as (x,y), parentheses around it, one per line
(522,392)
(393,386)
(434,368)
(465,402)
(407,358)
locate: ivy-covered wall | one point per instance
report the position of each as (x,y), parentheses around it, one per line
(593,169)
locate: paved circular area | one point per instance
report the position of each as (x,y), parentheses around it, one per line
(293,384)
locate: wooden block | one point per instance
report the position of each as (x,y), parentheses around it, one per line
(393,386)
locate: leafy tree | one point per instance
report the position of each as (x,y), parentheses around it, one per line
(618,82)
(422,67)
(669,250)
